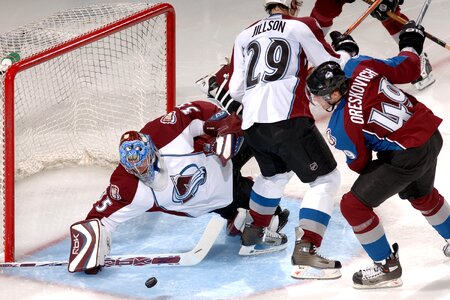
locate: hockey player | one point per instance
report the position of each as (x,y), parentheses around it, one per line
(372,114)
(324,11)
(269,68)
(177,164)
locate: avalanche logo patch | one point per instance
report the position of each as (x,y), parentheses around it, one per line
(170,118)
(114,192)
(187,183)
(350,154)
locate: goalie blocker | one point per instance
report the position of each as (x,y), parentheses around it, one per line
(227,135)
(91,244)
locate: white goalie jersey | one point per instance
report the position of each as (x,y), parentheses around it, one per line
(190,182)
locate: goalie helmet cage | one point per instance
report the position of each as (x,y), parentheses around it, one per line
(85,76)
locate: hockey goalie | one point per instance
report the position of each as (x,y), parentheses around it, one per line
(187,163)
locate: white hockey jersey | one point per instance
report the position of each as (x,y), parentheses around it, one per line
(192,183)
(270,65)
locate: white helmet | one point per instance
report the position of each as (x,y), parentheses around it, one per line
(292,5)
(286,3)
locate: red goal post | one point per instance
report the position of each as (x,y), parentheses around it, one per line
(112,76)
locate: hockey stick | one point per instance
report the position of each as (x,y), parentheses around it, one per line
(190,258)
(401,20)
(371,8)
(423,11)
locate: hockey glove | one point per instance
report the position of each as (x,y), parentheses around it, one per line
(380,12)
(225,146)
(344,42)
(208,85)
(222,123)
(412,36)
(229,136)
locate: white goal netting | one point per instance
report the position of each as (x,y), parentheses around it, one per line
(71,107)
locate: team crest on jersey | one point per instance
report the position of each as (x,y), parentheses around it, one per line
(350,154)
(331,139)
(187,183)
(170,118)
(114,192)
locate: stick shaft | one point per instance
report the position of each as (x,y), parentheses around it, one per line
(371,8)
(423,11)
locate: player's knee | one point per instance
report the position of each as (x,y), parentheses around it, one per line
(350,205)
(329,182)
(271,187)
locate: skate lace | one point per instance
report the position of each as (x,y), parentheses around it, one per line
(272,235)
(372,272)
(313,251)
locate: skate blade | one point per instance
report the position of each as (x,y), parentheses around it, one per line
(385,284)
(307,272)
(260,249)
(420,85)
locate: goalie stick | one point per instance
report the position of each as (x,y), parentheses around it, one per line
(190,258)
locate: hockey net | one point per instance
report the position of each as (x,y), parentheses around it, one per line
(84,77)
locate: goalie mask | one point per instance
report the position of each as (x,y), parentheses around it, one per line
(139,156)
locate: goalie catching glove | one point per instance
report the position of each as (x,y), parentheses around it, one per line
(226,133)
(91,243)
(215,86)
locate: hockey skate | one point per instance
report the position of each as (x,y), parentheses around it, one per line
(308,264)
(260,240)
(383,274)
(446,249)
(426,77)
(236,226)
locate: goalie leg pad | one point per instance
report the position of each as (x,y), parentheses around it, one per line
(90,244)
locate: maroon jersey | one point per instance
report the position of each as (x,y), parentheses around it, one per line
(375,115)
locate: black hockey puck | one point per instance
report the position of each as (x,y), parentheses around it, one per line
(151,282)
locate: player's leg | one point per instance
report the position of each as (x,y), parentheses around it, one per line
(394,172)
(324,11)
(261,233)
(237,213)
(386,270)
(424,197)
(312,161)
(266,193)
